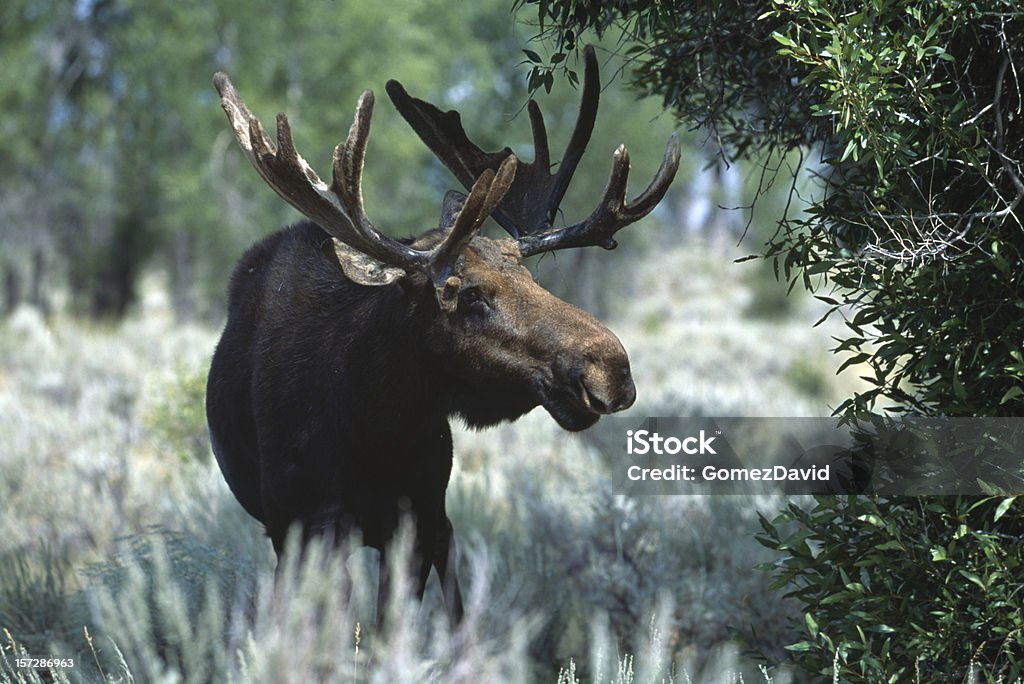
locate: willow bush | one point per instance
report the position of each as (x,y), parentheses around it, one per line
(907,113)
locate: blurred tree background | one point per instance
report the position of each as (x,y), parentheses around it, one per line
(118,162)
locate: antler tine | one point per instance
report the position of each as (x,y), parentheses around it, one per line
(443,135)
(530,205)
(652,195)
(337,209)
(349,156)
(581,132)
(613,212)
(541,152)
(487,192)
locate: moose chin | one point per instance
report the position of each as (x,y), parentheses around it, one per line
(346,352)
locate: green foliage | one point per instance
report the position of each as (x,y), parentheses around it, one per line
(177,415)
(706,60)
(918,229)
(916,108)
(770,300)
(904,589)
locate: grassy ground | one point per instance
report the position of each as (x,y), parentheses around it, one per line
(121,547)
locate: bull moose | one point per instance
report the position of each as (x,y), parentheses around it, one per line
(346,352)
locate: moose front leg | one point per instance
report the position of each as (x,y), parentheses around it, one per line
(445,560)
(436,551)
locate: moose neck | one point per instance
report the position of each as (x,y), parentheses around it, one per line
(390,372)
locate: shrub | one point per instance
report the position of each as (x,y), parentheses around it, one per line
(34,601)
(905,589)
(176,418)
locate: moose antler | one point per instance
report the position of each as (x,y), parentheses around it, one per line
(338,208)
(529,207)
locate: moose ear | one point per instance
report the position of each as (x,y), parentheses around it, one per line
(358,267)
(450,208)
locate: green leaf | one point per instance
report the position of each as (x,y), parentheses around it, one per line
(1011,394)
(812,626)
(853,360)
(1002,508)
(973,577)
(784,40)
(871,520)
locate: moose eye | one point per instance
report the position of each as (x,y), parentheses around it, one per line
(473,299)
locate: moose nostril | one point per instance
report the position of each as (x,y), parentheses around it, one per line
(623,395)
(594,402)
(602,378)
(602,396)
